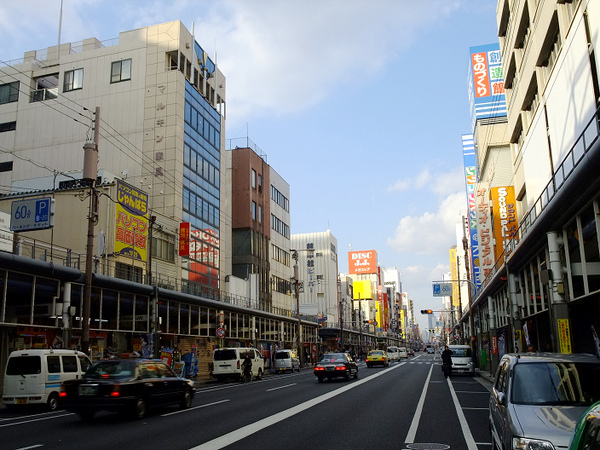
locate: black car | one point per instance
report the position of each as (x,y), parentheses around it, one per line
(333,365)
(127,386)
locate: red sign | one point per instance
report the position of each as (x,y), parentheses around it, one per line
(184,239)
(494,345)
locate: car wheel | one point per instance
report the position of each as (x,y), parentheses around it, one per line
(369,366)
(52,402)
(139,408)
(356,374)
(86,416)
(259,374)
(320,379)
(186,401)
(347,376)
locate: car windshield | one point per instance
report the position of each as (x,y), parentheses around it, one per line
(282,355)
(558,383)
(334,357)
(111,369)
(376,353)
(224,355)
(461,352)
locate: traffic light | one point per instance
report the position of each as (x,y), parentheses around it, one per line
(426,311)
(366,321)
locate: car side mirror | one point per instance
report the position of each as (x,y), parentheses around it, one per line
(501,398)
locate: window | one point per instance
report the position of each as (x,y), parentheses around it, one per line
(53,363)
(73,80)
(260,214)
(9,92)
(163,246)
(253,210)
(253,179)
(69,363)
(8,126)
(120,71)
(259,182)
(280,199)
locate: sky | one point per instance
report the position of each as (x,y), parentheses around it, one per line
(358,104)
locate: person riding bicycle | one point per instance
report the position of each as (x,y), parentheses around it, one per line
(447,361)
(247,367)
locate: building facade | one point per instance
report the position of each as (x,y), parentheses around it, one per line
(542,286)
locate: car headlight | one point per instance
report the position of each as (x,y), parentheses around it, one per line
(531,444)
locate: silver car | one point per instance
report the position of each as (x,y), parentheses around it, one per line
(537,399)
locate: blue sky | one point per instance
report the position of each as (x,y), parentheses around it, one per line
(358,104)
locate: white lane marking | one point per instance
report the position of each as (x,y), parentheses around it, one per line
(464,407)
(35,420)
(471,392)
(31,446)
(241,433)
(30,415)
(412,431)
(195,407)
(281,387)
(471,445)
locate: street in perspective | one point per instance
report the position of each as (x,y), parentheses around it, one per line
(290,224)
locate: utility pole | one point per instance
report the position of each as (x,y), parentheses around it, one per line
(297,293)
(90,172)
(470,298)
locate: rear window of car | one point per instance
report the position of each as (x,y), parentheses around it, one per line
(24,365)
(558,383)
(224,355)
(333,357)
(282,355)
(111,369)
(392,349)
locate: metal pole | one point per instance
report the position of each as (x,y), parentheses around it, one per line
(297,292)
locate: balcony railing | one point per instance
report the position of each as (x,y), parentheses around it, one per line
(578,151)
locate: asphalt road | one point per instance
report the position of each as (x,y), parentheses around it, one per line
(409,405)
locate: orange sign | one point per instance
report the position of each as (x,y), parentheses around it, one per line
(184,239)
(505,216)
(362,262)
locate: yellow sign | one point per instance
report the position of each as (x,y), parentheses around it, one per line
(564,335)
(131,228)
(362,290)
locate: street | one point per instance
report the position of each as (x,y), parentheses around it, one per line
(405,406)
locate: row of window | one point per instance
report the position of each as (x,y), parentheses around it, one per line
(199,207)
(280,226)
(202,126)
(254,178)
(280,255)
(257,214)
(280,285)
(280,199)
(201,166)
(8,126)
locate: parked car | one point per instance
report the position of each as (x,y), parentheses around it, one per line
(227,363)
(537,398)
(377,357)
(587,431)
(33,377)
(462,359)
(393,353)
(285,360)
(334,365)
(127,386)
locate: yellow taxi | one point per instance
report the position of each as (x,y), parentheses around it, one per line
(376,357)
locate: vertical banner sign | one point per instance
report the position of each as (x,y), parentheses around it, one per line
(184,239)
(505,216)
(131,229)
(486,83)
(470,181)
(454,276)
(484,231)
(564,335)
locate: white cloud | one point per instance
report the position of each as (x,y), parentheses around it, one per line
(430,233)
(441,183)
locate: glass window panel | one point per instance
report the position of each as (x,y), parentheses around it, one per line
(18,298)
(126,311)
(142,318)
(109,310)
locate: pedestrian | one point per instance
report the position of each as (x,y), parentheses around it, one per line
(447,361)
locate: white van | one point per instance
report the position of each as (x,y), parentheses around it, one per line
(34,376)
(462,359)
(227,363)
(393,353)
(402,353)
(285,360)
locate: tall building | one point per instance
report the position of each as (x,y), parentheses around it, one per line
(157,103)
(542,285)
(261,227)
(318,272)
